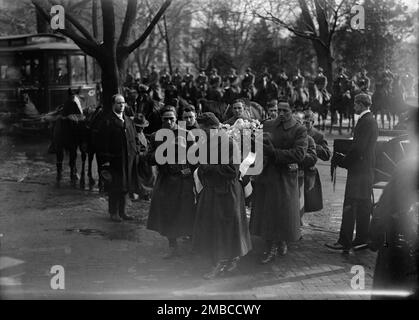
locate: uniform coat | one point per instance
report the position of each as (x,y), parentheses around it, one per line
(322,149)
(172,208)
(118,145)
(221,228)
(276,210)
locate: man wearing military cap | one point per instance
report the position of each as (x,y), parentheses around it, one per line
(276,207)
(360,162)
(172,208)
(322,148)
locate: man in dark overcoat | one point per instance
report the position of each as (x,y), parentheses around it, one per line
(360,162)
(172,208)
(118,149)
(276,207)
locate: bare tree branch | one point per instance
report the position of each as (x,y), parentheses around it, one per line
(129,20)
(75,23)
(150,27)
(88,46)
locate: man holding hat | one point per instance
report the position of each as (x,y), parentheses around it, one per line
(276,206)
(360,162)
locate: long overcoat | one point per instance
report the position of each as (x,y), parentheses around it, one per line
(360,160)
(276,207)
(221,229)
(172,208)
(117,144)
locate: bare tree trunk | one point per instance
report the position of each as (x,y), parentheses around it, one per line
(41,25)
(166,37)
(325,60)
(94,19)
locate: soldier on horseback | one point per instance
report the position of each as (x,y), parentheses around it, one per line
(363,82)
(283,86)
(267,90)
(248,82)
(231,90)
(149,108)
(321,83)
(300,95)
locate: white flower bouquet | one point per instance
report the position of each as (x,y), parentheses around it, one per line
(244,128)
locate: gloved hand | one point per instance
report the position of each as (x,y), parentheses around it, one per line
(268,148)
(337,159)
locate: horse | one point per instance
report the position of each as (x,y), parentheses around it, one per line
(342,103)
(284,91)
(397,101)
(381,102)
(89,131)
(299,98)
(68,136)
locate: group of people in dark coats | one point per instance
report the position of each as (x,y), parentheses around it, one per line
(212,211)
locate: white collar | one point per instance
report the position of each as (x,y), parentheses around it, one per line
(364,112)
(78,103)
(121,117)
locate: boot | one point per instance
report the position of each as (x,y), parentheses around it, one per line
(270,255)
(73,176)
(232,265)
(217,271)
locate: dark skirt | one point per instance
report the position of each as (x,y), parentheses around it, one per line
(172,208)
(313,195)
(221,229)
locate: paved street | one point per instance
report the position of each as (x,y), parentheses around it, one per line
(42,226)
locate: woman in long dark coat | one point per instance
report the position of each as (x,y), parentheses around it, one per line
(221,228)
(276,207)
(172,208)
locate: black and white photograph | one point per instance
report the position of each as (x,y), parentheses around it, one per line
(233,151)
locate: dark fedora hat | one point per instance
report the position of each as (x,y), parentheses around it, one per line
(140,120)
